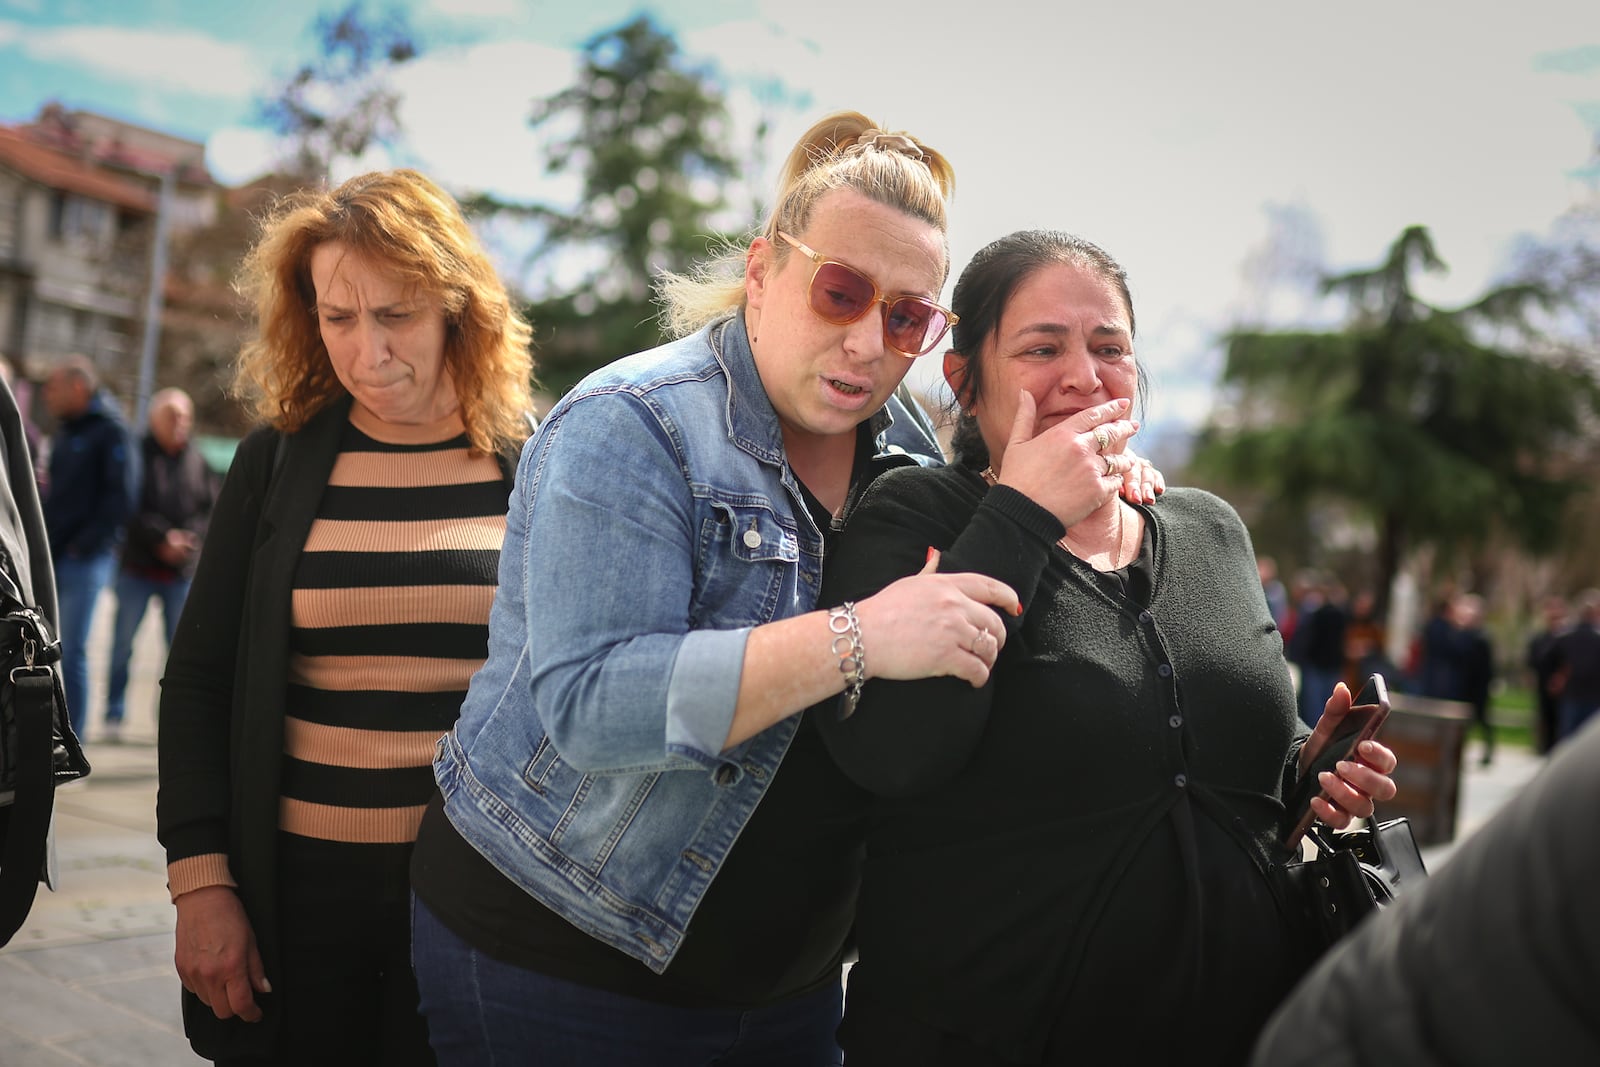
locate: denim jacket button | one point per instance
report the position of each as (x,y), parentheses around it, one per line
(752,539)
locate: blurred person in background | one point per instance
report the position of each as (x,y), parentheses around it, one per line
(1575,658)
(88,495)
(1474,653)
(1546,677)
(1365,641)
(1318,645)
(162,543)
(340,605)
(1437,666)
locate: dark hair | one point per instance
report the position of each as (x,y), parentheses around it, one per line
(986,286)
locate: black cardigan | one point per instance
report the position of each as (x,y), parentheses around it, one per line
(1117,784)
(222,694)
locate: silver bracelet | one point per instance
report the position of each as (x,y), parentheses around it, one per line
(846,630)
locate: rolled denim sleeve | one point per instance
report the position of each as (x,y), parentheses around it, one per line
(703,692)
(622,678)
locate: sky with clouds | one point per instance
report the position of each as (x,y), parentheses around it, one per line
(1171,132)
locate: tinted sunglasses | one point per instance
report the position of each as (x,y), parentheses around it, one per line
(839,294)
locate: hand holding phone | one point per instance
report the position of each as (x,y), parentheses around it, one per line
(1367,713)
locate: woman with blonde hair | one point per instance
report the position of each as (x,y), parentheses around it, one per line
(643,854)
(339,607)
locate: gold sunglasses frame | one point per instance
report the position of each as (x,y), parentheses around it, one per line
(878,297)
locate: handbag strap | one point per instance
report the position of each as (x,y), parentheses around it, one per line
(33,704)
(1327,839)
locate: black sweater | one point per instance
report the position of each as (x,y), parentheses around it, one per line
(1074,856)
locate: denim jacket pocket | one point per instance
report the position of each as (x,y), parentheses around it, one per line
(744,553)
(583,814)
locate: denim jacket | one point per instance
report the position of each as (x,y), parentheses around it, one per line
(654,523)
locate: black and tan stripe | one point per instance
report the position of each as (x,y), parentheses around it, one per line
(389,612)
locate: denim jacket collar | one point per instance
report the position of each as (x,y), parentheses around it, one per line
(752,422)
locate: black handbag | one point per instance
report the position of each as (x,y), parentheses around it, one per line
(1353,874)
(38,751)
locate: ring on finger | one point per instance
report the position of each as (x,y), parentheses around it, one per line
(1111,468)
(1101,439)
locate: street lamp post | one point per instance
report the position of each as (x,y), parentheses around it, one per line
(154,300)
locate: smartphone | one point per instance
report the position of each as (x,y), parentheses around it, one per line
(1367,712)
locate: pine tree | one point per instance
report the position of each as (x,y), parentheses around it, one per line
(1442,426)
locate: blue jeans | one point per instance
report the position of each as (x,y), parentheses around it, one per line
(1571,714)
(484,1013)
(134,593)
(79,580)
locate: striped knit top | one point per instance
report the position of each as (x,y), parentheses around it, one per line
(390,618)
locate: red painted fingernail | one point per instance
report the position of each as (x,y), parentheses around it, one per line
(1019,609)
(929,557)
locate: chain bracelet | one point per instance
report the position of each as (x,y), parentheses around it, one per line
(846,629)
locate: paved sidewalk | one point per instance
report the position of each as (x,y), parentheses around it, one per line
(89,978)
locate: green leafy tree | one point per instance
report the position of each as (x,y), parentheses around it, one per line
(340,103)
(643,129)
(1443,427)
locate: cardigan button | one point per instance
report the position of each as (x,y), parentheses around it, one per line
(1145,617)
(1181,780)
(1165,670)
(1175,722)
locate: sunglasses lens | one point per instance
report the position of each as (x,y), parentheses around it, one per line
(839,294)
(914,325)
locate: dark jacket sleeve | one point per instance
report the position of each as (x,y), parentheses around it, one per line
(147,526)
(1495,958)
(909,736)
(197,697)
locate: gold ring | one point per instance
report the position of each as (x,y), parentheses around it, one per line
(1101,440)
(1111,468)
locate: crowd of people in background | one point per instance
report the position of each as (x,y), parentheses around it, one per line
(125,516)
(1331,633)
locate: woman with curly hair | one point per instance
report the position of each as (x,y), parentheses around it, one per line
(338,610)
